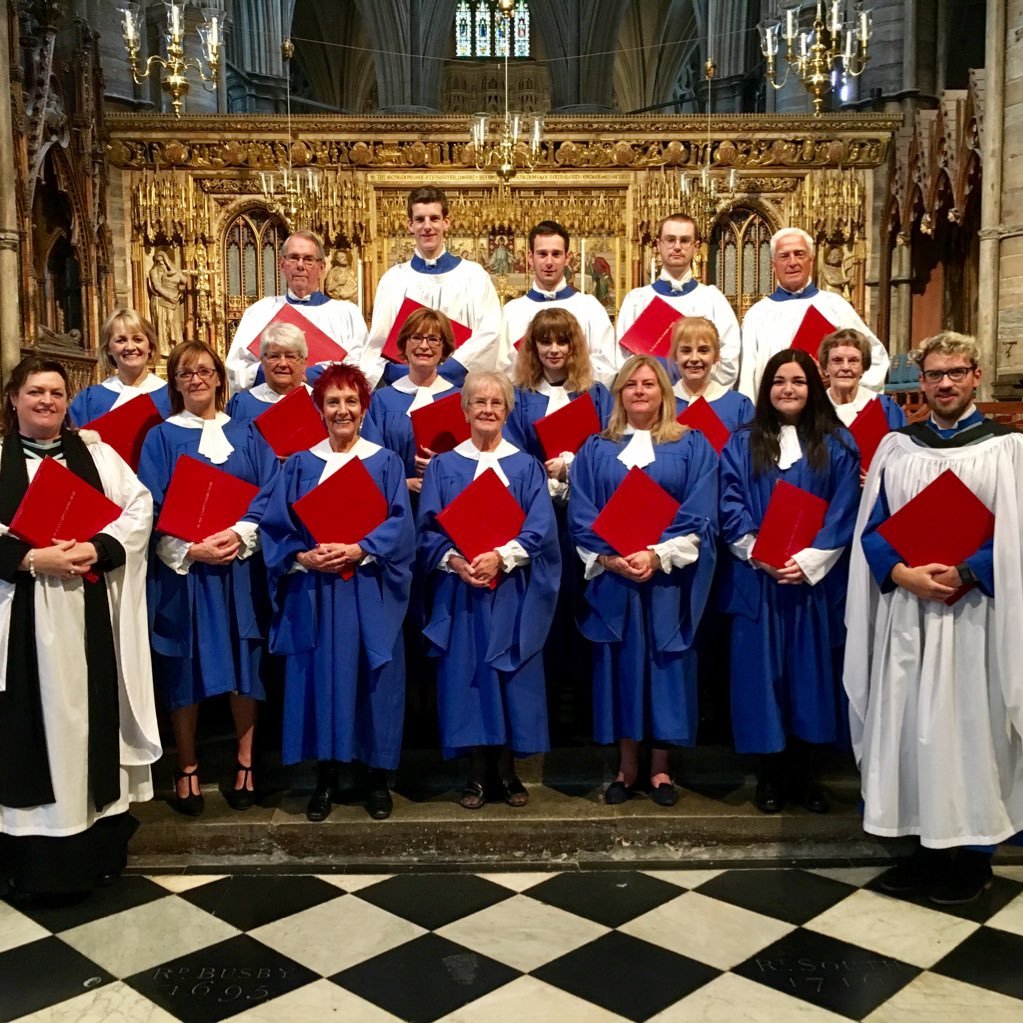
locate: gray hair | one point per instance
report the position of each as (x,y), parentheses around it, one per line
(785,232)
(309,236)
(284,335)
(478,379)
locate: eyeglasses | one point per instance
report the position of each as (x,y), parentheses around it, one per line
(482,403)
(431,339)
(853,361)
(286,356)
(202,372)
(957,374)
(304,260)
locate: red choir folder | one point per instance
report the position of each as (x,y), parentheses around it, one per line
(291,424)
(125,427)
(651,333)
(945,523)
(700,416)
(441,425)
(869,428)
(566,429)
(792,520)
(345,508)
(322,347)
(483,517)
(58,505)
(408,306)
(637,515)
(812,331)
(202,500)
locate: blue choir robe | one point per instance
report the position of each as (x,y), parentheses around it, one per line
(250,404)
(533,405)
(786,640)
(99,399)
(731,407)
(644,671)
(207,622)
(489,643)
(344,675)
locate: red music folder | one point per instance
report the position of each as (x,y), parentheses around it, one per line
(869,428)
(345,508)
(813,329)
(322,347)
(202,500)
(700,416)
(651,333)
(291,424)
(125,427)
(566,429)
(945,523)
(792,520)
(483,517)
(636,516)
(441,425)
(408,306)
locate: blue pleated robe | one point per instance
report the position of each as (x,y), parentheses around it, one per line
(344,688)
(532,405)
(786,640)
(97,400)
(242,405)
(388,423)
(489,643)
(208,627)
(644,671)
(732,408)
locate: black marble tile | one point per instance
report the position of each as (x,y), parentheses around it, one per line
(828,973)
(626,976)
(43,973)
(794,896)
(988,958)
(425,979)
(61,915)
(249,902)
(433,900)
(981,909)
(220,981)
(609,897)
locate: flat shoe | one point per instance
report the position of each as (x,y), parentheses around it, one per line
(378,798)
(664,794)
(617,792)
(243,798)
(768,797)
(320,804)
(473,797)
(814,799)
(513,791)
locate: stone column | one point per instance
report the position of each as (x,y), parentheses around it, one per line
(900,317)
(10,310)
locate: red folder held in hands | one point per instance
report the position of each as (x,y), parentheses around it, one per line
(441,425)
(125,427)
(945,523)
(202,500)
(792,520)
(345,508)
(322,347)
(651,333)
(566,429)
(291,424)
(408,306)
(700,416)
(637,515)
(812,331)
(869,428)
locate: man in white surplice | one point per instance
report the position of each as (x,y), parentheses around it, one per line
(936,690)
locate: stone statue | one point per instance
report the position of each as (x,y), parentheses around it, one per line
(341,281)
(836,271)
(166,302)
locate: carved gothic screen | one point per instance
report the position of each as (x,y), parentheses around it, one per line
(740,258)
(252,248)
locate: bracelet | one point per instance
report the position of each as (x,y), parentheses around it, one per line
(32,562)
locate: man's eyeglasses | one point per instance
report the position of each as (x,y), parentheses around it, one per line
(202,372)
(957,374)
(304,260)
(431,339)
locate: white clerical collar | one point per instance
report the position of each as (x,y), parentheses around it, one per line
(639,452)
(422,395)
(213,444)
(790,451)
(264,392)
(487,459)
(556,293)
(972,410)
(432,262)
(677,283)
(711,392)
(848,411)
(334,460)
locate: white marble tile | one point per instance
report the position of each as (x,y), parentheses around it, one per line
(1008,919)
(184,882)
(522,932)
(684,878)
(857,876)
(353,882)
(932,998)
(709,930)
(112,1003)
(318,1002)
(148,935)
(17,929)
(732,999)
(337,934)
(530,999)
(520,881)
(1014,872)
(894,928)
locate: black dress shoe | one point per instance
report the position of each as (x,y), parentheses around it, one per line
(378,796)
(617,792)
(768,797)
(321,802)
(924,869)
(966,879)
(813,798)
(243,798)
(194,803)
(664,794)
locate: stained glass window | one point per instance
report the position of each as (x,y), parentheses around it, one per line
(521,29)
(481,30)
(483,21)
(463,30)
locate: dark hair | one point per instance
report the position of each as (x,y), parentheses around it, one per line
(553,325)
(341,375)
(816,422)
(427,319)
(191,351)
(17,380)
(427,194)
(548,227)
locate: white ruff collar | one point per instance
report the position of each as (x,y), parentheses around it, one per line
(362,449)
(125,392)
(712,392)
(213,444)
(639,452)
(791,452)
(849,411)
(487,459)
(423,395)
(264,392)
(557,395)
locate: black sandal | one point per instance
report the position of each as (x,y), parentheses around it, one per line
(243,798)
(194,803)
(473,796)
(513,791)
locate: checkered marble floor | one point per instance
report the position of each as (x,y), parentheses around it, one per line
(757,945)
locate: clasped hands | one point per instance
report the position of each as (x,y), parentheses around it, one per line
(65,559)
(790,575)
(638,567)
(481,572)
(331,557)
(928,582)
(219,549)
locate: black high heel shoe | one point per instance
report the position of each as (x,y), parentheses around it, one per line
(243,798)
(194,803)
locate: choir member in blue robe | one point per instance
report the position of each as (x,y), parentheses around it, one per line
(489,641)
(128,344)
(341,639)
(283,354)
(208,609)
(787,630)
(643,607)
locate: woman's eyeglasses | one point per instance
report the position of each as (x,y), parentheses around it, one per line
(202,372)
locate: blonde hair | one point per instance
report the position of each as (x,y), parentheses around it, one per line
(129,320)
(553,325)
(948,342)
(665,427)
(694,329)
